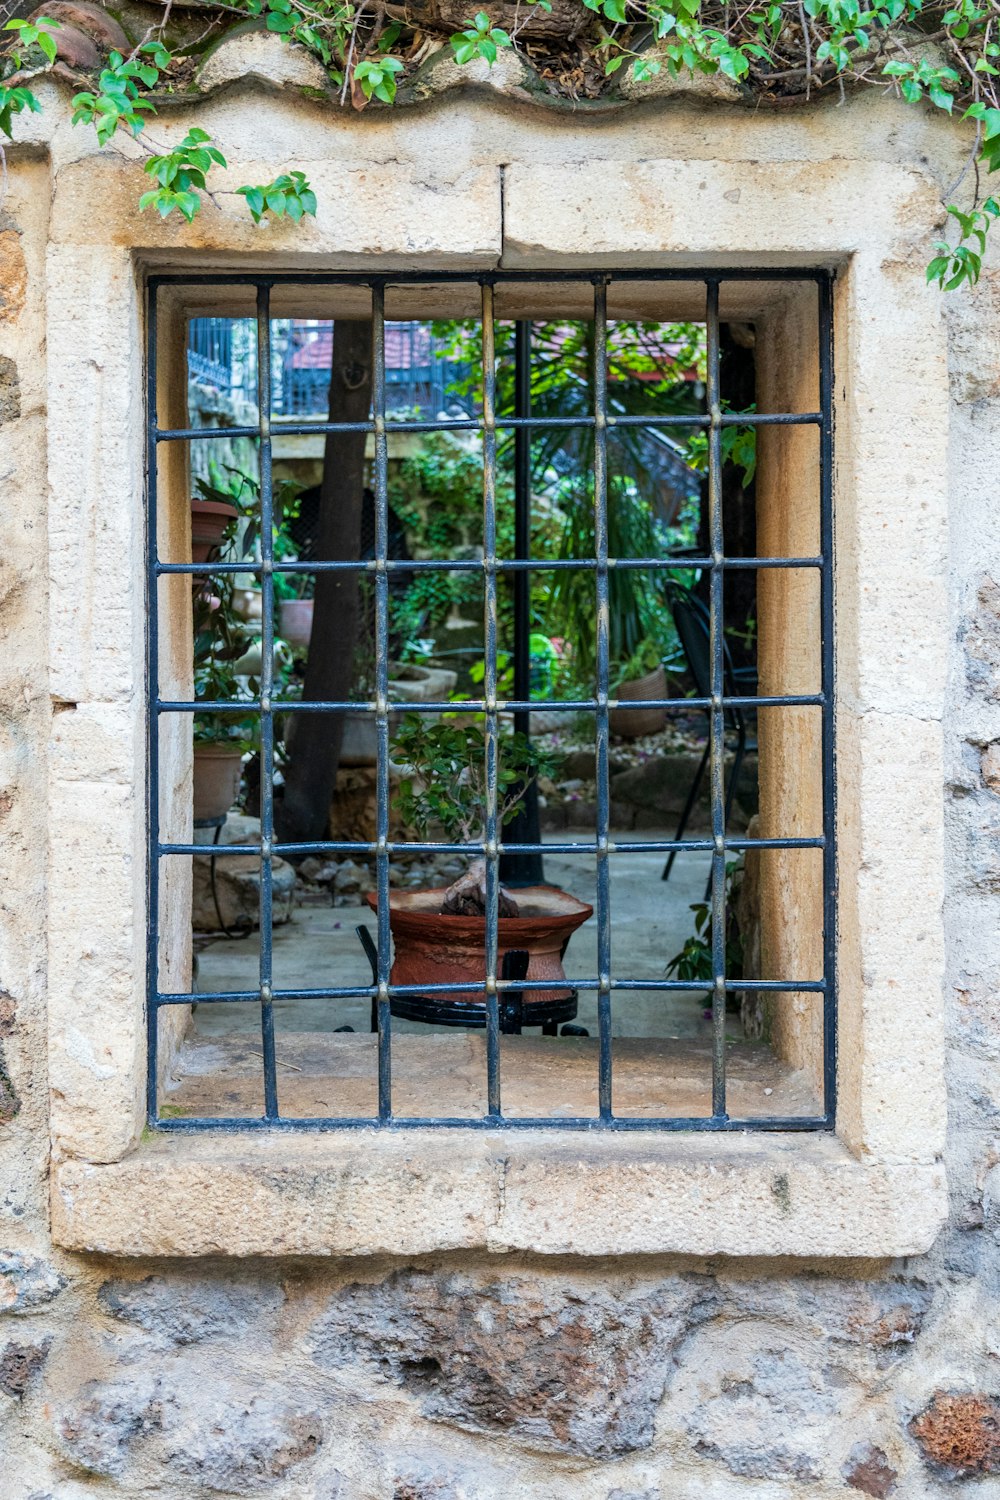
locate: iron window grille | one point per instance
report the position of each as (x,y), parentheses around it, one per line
(719,843)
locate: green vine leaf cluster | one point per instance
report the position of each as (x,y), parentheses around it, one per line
(943,56)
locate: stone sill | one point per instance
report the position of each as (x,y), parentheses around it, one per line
(414,1193)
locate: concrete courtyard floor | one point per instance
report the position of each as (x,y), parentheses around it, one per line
(661,1054)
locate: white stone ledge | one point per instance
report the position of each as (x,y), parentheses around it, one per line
(414,1193)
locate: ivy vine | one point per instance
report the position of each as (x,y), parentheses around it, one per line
(946,56)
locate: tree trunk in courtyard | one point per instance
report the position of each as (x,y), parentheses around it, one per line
(311,773)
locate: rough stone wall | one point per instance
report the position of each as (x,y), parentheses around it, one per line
(468,1378)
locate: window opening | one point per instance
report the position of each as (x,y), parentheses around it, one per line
(523,374)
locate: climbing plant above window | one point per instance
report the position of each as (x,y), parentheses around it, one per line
(941,56)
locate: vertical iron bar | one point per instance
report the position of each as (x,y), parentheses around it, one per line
(601,726)
(266,690)
(717,725)
(152,721)
(490,697)
(827,670)
(523,869)
(383,934)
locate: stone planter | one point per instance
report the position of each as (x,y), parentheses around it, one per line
(431,948)
(409,683)
(217,770)
(630,723)
(209,519)
(295,622)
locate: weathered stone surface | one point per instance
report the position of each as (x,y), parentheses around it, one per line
(13,276)
(868,1469)
(19,1364)
(249,52)
(230,1443)
(10,390)
(960,1432)
(100,1427)
(26,1282)
(192,1309)
(516,1357)
(237,882)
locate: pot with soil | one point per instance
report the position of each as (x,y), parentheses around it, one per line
(640,679)
(218,765)
(439,934)
(209,521)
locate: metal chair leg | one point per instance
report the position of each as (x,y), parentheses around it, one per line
(688,807)
(371,953)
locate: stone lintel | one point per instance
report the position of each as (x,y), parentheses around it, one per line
(416,1192)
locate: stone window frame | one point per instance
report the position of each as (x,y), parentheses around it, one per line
(877,1187)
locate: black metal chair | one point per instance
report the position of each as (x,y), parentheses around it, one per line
(692,621)
(450,1010)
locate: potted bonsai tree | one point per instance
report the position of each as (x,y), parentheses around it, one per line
(439,934)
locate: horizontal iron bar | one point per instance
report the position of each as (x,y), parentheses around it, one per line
(462,987)
(477,565)
(502,424)
(650,846)
(584,276)
(477,705)
(709,1123)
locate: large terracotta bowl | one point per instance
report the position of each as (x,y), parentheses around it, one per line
(431,948)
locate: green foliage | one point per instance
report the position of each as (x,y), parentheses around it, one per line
(34,33)
(288,194)
(739,447)
(12,102)
(694,961)
(218,644)
(444,781)
(181,175)
(954,264)
(775,49)
(117,100)
(377,77)
(480,38)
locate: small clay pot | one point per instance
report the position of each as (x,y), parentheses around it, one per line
(431,948)
(209,519)
(630,723)
(296,622)
(217,769)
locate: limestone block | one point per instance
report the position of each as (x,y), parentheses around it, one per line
(375,1192)
(102,742)
(96,978)
(445,210)
(372,1194)
(95,513)
(656,209)
(250,53)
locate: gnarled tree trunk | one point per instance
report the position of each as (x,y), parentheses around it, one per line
(311,773)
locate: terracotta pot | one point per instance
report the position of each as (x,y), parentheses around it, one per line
(434,949)
(296,622)
(216,779)
(209,519)
(630,723)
